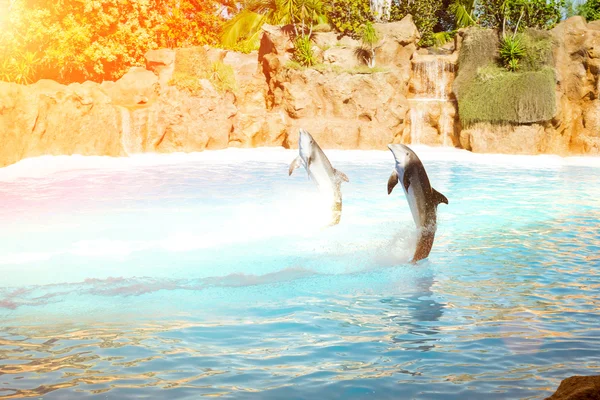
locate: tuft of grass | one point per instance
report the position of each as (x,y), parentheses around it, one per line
(511,51)
(192,65)
(303,53)
(499,96)
(222,76)
(20,68)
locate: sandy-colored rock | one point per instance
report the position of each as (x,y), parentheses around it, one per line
(46,118)
(591,118)
(137,86)
(398,42)
(578,388)
(325,40)
(402,32)
(162,63)
(506,139)
(344,58)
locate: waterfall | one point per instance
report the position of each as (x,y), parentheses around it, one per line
(381,9)
(432,108)
(446,127)
(130,142)
(417,116)
(434,77)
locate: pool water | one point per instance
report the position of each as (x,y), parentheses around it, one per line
(213,274)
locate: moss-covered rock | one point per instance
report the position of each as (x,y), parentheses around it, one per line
(489,93)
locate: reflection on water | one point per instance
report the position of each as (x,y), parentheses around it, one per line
(506,306)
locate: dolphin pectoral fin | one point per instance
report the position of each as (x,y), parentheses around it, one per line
(340,175)
(295,164)
(392,181)
(438,197)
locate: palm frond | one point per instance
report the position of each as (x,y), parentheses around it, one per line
(245,24)
(441,38)
(463,13)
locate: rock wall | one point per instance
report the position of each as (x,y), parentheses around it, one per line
(342,103)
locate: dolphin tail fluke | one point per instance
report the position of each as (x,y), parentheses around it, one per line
(393,181)
(424,244)
(438,197)
(295,164)
(340,176)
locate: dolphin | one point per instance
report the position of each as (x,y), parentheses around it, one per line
(422,198)
(319,169)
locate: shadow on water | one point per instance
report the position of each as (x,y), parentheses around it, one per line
(423,313)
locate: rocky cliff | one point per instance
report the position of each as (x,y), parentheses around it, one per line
(406,98)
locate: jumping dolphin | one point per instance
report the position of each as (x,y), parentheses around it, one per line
(422,198)
(319,169)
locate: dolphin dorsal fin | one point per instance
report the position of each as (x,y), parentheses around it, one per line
(295,164)
(392,181)
(340,175)
(438,197)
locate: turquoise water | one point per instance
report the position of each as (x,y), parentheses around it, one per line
(179,276)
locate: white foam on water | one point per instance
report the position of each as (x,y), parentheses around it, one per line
(39,167)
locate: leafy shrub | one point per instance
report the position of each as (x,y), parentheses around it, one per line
(348,16)
(77,40)
(506,14)
(20,68)
(191,65)
(590,10)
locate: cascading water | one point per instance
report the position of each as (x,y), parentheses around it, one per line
(131,143)
(381,9)
(432,105)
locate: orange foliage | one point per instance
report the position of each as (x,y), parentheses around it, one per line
(75,40)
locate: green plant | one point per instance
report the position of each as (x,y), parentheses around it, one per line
(369,38)
(511,51)
(464,13)
(21,68)
(77,40)
(441,38)
(510,14)
(245,27)
(222,76)
(488,92)
(191,66)
(590,10)
(348,16)
(303,53)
